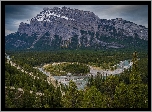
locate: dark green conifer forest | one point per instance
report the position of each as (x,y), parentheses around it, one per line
(126,90)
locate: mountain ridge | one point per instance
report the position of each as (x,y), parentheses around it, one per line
(72,28)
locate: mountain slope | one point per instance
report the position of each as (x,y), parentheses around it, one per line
(72,28)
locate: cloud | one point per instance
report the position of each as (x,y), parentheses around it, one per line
(15,14)
(7,32)
(135,13)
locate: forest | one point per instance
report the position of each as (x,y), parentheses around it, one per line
(126,90)
(101,58)
(65,68)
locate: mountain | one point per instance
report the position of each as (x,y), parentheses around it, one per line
(63,27)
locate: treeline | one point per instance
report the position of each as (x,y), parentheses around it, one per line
(103,59)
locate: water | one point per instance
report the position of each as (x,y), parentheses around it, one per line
(44,72)
(124,64)
(81,81)
(7,56)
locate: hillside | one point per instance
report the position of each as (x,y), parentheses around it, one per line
(25,87)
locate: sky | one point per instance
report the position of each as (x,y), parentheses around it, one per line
(15,14)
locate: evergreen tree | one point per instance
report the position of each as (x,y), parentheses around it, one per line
(92,98)
(72,98)
(135,77)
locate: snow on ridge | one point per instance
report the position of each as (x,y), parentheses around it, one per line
(65,17)
(41,17)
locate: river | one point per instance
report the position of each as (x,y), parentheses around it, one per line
(81,81)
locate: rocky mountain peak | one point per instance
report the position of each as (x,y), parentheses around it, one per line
(62,26)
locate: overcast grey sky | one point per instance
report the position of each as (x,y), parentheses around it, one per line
(15,14)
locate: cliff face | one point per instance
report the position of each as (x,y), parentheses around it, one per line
(73,28)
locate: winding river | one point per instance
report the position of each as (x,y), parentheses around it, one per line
(81,81)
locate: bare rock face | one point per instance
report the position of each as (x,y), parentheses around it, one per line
(62,27)
(64,22)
